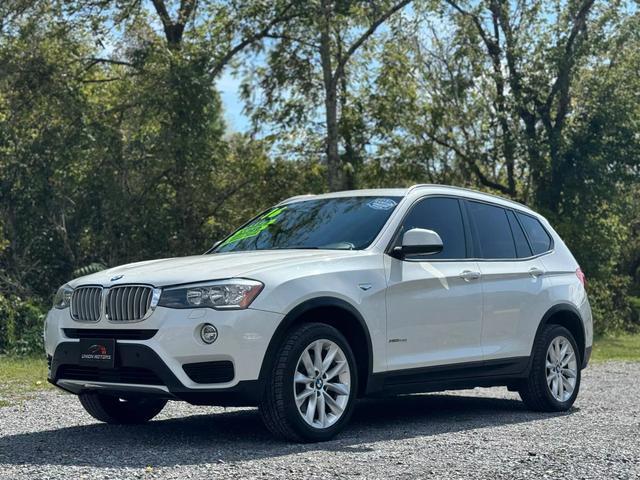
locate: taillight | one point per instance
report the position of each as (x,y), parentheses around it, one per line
(581,277)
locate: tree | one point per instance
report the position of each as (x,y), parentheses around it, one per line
(307,69)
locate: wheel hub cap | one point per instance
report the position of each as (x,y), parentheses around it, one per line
(322,383)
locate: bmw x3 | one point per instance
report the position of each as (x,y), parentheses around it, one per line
(324,299)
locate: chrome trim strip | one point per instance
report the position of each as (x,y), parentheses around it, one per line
(132,387)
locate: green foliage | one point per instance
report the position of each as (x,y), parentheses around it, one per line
(21,326)
(610,304)
(89,269)
(113,147)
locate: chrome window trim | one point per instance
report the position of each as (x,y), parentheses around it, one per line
(387,250)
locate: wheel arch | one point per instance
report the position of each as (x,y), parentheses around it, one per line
(568,316)
(339,314)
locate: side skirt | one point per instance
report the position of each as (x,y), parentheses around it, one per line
(489,373)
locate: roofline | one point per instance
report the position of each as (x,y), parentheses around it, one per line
(416,187)
(463,189)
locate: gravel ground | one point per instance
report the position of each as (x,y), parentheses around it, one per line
(482,433)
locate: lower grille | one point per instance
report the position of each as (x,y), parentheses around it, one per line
(210,372)
(118,334)
(128,375)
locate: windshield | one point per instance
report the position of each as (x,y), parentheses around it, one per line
(347,223)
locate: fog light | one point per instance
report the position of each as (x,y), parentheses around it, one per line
(208,333)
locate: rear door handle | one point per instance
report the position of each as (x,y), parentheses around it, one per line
(468,275)
(535,272)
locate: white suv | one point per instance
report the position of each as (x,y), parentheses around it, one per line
(323,299)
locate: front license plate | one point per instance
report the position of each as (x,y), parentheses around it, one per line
(98,352)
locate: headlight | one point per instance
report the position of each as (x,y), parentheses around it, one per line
(63,297)
(235,293)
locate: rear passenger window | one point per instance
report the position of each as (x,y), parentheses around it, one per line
(443,216)
(538,237)
(492,231)
(522,246)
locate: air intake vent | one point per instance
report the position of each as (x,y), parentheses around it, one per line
(128,303)
(85,304)
(118,334)
(210,372)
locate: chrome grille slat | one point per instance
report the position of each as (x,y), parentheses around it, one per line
(136,302)
(118,311)
(85,303)
(128,303)
(98,304)
(130,313)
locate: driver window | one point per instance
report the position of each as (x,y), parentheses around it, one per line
(443,216)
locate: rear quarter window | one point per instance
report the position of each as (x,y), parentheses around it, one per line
(539,239)
(522,245)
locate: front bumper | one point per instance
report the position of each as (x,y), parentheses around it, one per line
(156,365)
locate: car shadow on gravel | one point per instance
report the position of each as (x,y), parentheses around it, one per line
(238,435)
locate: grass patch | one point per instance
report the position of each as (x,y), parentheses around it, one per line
(20,376)
(618,347)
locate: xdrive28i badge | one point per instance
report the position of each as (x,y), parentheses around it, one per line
(117,277)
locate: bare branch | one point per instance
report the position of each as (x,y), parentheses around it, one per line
(561,85)
(472,164)
(365,35)
(244,43)
(96,60)
(162,12)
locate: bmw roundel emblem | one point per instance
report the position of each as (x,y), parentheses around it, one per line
(117,277)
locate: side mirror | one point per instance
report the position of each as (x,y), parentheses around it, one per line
(419,241)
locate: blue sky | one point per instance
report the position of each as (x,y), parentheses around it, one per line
(228,88)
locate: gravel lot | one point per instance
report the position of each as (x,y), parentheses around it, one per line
(482,433)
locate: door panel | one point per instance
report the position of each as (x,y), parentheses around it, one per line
(434,302)
(434,315)
(514,299)
(513,283)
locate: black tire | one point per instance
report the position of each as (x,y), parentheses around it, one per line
(534,391)
(278,408)
(114,410)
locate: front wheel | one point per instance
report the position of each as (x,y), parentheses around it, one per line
(116,410)
(311,389)
(554,380)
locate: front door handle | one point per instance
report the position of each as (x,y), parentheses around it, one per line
(468,275)
(535,272)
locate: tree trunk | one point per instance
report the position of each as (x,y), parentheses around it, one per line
(335,177)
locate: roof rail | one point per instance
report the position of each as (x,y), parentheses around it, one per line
(296,197)
(420,185)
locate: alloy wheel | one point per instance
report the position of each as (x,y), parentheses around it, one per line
(561,368)
(322,383)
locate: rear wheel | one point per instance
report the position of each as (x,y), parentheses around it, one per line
(116,410)
(554,380)
(311,390)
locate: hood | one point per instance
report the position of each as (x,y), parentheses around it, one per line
(174,271)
